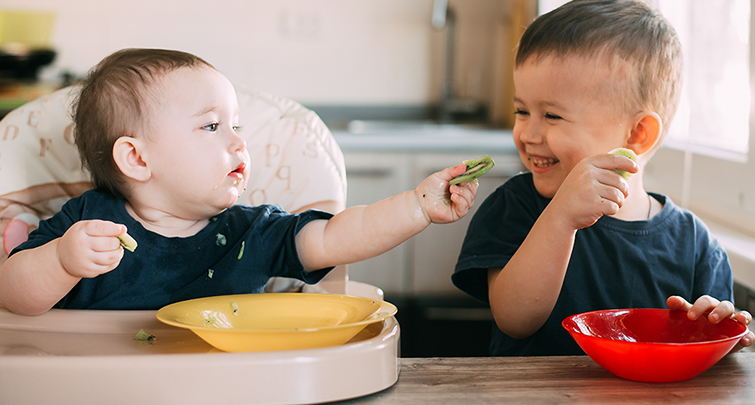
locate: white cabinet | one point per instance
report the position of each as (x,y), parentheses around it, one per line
(424,264)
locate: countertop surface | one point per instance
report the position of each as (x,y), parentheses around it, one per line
(557,380)
(427,138)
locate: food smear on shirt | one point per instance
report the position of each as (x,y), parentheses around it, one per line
(241,252)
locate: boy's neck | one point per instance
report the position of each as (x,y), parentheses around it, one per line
(638,206)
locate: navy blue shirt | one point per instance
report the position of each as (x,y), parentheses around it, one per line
(237,252)
(614,263)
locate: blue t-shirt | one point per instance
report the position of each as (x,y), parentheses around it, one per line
(614,263)
(237,252)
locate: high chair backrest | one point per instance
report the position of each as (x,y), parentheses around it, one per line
(295,162)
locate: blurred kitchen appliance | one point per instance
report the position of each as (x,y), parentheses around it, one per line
(452,108)
(25,43)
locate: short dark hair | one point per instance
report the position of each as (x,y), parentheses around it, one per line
(611,30)
(109,105)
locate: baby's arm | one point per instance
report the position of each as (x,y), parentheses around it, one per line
(362,232)
(32,281)
(716,310)
(523,294)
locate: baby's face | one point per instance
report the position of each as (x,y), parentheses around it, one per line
(563,115)
(197,159)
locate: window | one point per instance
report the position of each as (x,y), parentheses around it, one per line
(713,115)
(714,112)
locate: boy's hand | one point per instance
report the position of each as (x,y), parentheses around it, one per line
(90,248)
(592,189)
(716,311)
(444,204)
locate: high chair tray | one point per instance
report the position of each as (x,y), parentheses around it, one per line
(85,356)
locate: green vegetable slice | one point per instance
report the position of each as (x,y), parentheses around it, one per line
(142,335)
(475,169)
(127,242)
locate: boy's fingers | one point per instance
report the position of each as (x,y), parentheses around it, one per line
(677,303)
(701,306)
(725,309)
(743,317)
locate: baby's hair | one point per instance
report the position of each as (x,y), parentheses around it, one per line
(611,31)
(109,105)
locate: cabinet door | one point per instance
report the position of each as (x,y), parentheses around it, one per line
(373,177)
(434,252)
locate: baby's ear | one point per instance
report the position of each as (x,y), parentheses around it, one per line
(646,132)
(127,153)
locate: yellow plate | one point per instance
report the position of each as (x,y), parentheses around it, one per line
(276,321)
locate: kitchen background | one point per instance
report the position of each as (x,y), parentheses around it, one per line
(380,60)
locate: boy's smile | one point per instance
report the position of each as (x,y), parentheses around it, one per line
(565,111)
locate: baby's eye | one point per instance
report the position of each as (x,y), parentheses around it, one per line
(211,127)
(521,112)
(550,116)
(236,128)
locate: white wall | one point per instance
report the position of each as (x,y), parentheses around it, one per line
(314,51)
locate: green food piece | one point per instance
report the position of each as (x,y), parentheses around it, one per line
(220,239)
(235,307)
(210,272)
(624,152)
(241,251)
(142,335)
(210,320)
(475,169)
(127,242)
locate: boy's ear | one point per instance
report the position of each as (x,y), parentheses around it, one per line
(645,133)
(127,154)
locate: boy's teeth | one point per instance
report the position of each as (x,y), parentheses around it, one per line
(543,162)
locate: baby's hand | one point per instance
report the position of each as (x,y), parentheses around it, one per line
(592,189)
(444,204)
(91,248)
(716,310)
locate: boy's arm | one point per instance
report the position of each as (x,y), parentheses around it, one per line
(33,280)
(524,292)
(362,232)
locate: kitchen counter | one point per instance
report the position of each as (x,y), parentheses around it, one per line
(567,379)
(425,139)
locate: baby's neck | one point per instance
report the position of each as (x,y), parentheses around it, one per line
(164,223)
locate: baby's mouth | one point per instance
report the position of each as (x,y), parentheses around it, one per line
(238,172)
(542,163)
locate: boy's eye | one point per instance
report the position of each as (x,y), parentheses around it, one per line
(521,112)
(236,128)
(211,127)
(549,116)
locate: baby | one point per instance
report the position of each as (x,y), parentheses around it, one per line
(157,130)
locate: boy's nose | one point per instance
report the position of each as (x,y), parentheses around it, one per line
(529,132)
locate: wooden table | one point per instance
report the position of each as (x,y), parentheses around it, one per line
(569,379)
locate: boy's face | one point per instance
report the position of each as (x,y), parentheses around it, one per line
(564,113)
(199,162)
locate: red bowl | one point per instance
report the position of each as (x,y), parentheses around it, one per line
(653,345)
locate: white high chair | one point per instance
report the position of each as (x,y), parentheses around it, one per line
(88,356)
(295,163)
